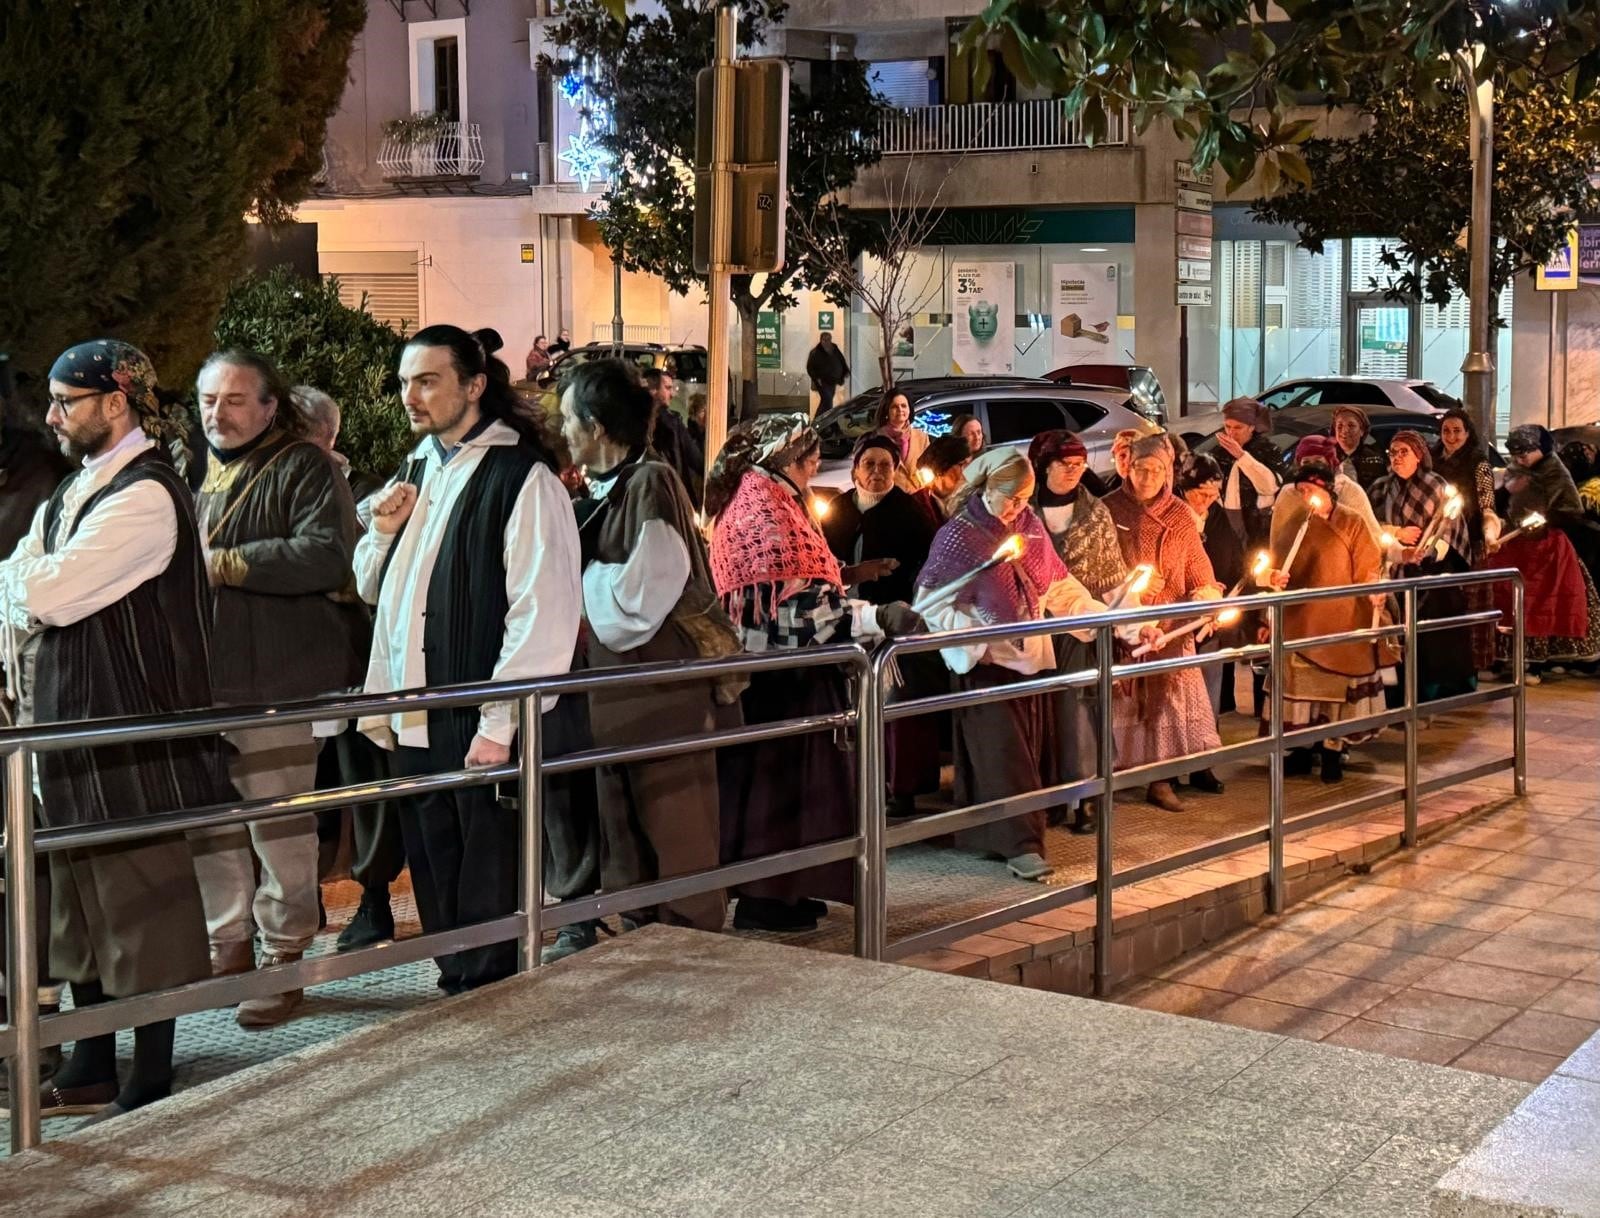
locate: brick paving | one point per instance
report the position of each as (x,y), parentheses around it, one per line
(1480,949)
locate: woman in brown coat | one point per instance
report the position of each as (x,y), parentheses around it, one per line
(1338,681)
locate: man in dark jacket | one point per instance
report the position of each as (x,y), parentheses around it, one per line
(672,439)
(280,528)
(827,369)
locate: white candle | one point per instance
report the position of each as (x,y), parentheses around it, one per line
(1226,618)
(1314,502)
(943,596)
(1533,520)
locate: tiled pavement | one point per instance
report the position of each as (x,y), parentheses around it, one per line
(1480,949)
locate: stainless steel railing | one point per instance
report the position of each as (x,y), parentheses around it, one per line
(26,1033)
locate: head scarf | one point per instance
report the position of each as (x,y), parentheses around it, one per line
(1048,447)
(1197,470)
(874,440)
(1248,410)
(1530,437)
(1414,441)
(1355,412)
(1318,448)
(1574,455)
(109,365)
(771,441)
(1314,471)
(1003,469)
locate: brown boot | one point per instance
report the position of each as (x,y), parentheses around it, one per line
(274,1009)
(228,959)
(1163,796)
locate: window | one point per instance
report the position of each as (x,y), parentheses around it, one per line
(447,78)
(1083,415)
(439,82)
(1280,397)
(900,82)
(1012,419)
(1436,397)
(383,282)
(1352,393)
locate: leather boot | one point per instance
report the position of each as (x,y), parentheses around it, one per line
(235,956)
(274,1009)
(1086,818)
(1332,765)
(1163,796)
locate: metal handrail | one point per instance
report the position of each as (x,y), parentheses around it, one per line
(21,1039)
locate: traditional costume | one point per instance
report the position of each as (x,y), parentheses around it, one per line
(1367,462)
(111,580)
(481,584)
(1467,469)
(1250,482)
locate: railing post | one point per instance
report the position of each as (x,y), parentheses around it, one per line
(22,955)
(1104,861)
(530,800)
(1408,837)
(872,863)
(1519,674)
(1277,898)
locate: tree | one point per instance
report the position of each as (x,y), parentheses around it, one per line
(886,280)
(317,340)
(137,138)
(1227,77)
(642,71)
(1409,176)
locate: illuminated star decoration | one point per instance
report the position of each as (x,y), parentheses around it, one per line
(585,156)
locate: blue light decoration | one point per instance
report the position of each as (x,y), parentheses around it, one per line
(585,156)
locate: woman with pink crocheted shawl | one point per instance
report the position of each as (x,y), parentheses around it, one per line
(781,586)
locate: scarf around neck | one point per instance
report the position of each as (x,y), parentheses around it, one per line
(1415,501)
(764,536)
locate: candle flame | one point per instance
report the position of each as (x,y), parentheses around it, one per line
(1452,505)
(1262,564)
(1141,579)
(820,507)
(1387,538)
(925,476)
(1227,617)
(1010,549)
(1531,521)
(1316,501)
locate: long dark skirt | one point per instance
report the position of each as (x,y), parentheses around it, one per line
(1075,744)
(913,744)
(1445,661)
(1000,748)
(781,794)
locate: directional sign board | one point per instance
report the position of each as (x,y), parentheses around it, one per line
(1194,295)
(1194,223)
(1560,274)
(1187,174)
(760,164)
(1192,199)
(1194,270)
(1194,247)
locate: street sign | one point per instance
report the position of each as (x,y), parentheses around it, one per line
(1194,295)
(1190,199)
(825,320)
(769,340)
(1194,247)
(1185,171)
(1197,270)
(526,254)
(1589,250)
(759,164)
(1560,274)
(1194,223)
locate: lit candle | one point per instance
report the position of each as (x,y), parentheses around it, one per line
(820,507)
(1315,502)
(1449,510)
(1533,520)
(925,476)
(1226,618)
(1260,567)
(943,596)
(1387,540)
(1133,585)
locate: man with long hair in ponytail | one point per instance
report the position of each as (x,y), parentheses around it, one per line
(472,562)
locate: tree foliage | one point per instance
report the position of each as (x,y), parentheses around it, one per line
(1409,176)
(1227,77)
(644,70)
(317,340)
(137,138)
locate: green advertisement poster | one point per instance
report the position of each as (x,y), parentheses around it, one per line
(769,340)
(824,319)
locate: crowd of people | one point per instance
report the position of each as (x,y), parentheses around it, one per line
(504,549)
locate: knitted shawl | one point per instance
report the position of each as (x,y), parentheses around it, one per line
(1405,502)
(1012,591)
(764,536)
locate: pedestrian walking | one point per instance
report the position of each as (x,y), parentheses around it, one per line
(827,369)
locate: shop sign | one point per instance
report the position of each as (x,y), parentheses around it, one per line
(825,320)
(1589,250)
(1197,270)
(1194,223)
(769,340)
(1194,247)
(1194,295)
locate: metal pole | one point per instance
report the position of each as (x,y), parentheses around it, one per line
(1409,834)
(1519,674)
(530,801)
(1478,368)
(1104,863)
(872,862)
(1277,898)
(719,283)
(618,328)
(22,957)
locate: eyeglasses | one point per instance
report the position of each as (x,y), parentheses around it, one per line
(65,405)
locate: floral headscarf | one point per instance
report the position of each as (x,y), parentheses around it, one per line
(110,365)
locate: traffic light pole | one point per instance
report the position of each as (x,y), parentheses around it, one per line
(1477,380)
(718,285)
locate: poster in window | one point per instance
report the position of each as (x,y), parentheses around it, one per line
(1083,306)
(983,304)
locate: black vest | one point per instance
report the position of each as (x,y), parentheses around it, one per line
(465,622)
(148,653)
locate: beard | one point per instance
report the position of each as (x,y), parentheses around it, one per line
(88,440)
(437,423)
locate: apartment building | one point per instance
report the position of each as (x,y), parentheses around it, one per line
(479,216)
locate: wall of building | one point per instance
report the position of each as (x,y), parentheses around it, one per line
(1556,383)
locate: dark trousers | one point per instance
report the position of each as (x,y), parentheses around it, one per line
(825,394)
(377,852)
(41,920)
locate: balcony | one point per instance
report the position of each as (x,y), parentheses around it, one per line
(454,154)
(1016,126)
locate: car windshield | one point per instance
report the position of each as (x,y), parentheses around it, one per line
(688,365)
(1435,397)
(841,429)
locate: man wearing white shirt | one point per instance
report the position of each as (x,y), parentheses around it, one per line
(110,579)
(472,562)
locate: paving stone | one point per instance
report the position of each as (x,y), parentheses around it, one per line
(1506,1062)
(1308,987)
(1544,1032)
(1426,1011)
(1278,1017)
(1503,985)
(1375,964)
(1422,938)
(1394,1041)
(1579,999)
(1554,928)
(1531,956)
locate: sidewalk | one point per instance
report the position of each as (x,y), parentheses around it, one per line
(1479,950)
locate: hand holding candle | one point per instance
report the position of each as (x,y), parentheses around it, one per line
(1533,520)
(1134,585)
(1316,501)
(933,599)
(1387,540)
(1449,510)
(1226,618)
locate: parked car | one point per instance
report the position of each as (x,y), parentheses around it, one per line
(1367,392)
(1012,410)
(1291,425)
(1140,381)
(689,365)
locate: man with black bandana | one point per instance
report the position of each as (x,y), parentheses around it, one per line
(109,585)
(279,526)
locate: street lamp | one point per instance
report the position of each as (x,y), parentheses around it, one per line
(1477,370)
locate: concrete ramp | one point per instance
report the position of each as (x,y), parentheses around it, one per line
(676,1073)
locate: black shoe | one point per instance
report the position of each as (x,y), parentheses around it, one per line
(570,940)
(373,923)
(322,913)
(1332,765)
(1297,763)
(810,905)
(1205,780)
(764,913)
(1085,818)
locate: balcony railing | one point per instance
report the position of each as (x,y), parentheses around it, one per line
(456,152)
(988,127)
